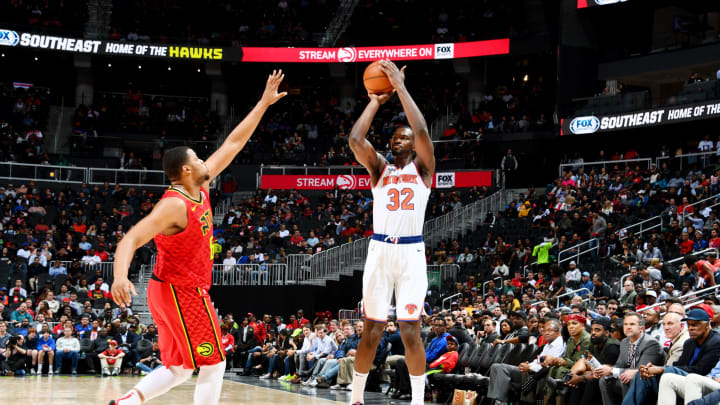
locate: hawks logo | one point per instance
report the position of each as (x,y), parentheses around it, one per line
(411,308)
(205,349)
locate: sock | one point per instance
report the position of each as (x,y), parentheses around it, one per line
(161,381)
(209,384)
(358,387)
(131,398)
(417,385)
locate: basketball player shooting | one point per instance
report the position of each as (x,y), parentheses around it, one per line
(181,224)
(396,254)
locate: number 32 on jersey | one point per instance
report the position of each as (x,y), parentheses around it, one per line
(401,199)
(205,223)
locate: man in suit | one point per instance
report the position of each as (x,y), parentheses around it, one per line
(644,387)
(701,352)
(127,339)
(635,350)
(489,332)
(244,341)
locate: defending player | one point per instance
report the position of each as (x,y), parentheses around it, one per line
(181,224)
(396,258)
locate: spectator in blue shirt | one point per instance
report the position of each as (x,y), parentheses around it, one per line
(437,346)
(347,347)
(22,329)
(57,269)
(700,243)
(585,282)
(83,327)
(46,347)
(21,313)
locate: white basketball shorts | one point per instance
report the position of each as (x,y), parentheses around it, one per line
(398,268)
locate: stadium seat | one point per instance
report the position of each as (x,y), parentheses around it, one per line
(515,356)
(60,280)
(485,362)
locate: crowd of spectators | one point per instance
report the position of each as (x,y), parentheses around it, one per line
(90,341)
(458,21)
(52,16)
(560,354)
(270,225)
(221,23)
(177,119)
(23,118)
(59,307)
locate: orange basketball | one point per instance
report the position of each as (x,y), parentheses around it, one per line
(375,80)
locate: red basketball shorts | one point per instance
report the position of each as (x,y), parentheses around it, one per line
(187,325)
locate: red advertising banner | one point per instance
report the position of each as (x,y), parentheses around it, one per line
(373,53)
(362,182)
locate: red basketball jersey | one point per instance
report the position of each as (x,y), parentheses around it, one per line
(185,259)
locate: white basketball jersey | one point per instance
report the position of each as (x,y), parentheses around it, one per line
(399,200)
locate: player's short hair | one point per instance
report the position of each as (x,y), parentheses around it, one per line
(641,320)
(404,126)
(173,160)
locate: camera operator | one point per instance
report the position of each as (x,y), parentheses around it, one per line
(13,362)
(149,360)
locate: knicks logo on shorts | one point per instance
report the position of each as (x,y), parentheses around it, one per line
(205,349)
(411,308)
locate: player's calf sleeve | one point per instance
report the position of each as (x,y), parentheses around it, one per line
(161,381)
(209,384)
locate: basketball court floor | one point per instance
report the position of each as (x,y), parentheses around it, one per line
(90,390)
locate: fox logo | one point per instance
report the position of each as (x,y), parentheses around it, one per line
(411,308)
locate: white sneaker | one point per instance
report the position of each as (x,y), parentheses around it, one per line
(338,387)
(50,371)
(33,372)
(265,376)
(115,371)
(106,371)
(313,383)
(143,373)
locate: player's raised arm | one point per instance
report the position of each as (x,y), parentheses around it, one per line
(169,214)
(423,144)
(218,161)
(362,148)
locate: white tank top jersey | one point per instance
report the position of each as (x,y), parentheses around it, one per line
(399,201)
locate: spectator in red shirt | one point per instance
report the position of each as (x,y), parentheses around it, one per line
(446,362)
(228,344)
(111,359)
(297,322)
(80,228)
(685,208)
(101,253)
(258,327)
(686,245)
(714,239)
(517,281)
(296,238)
